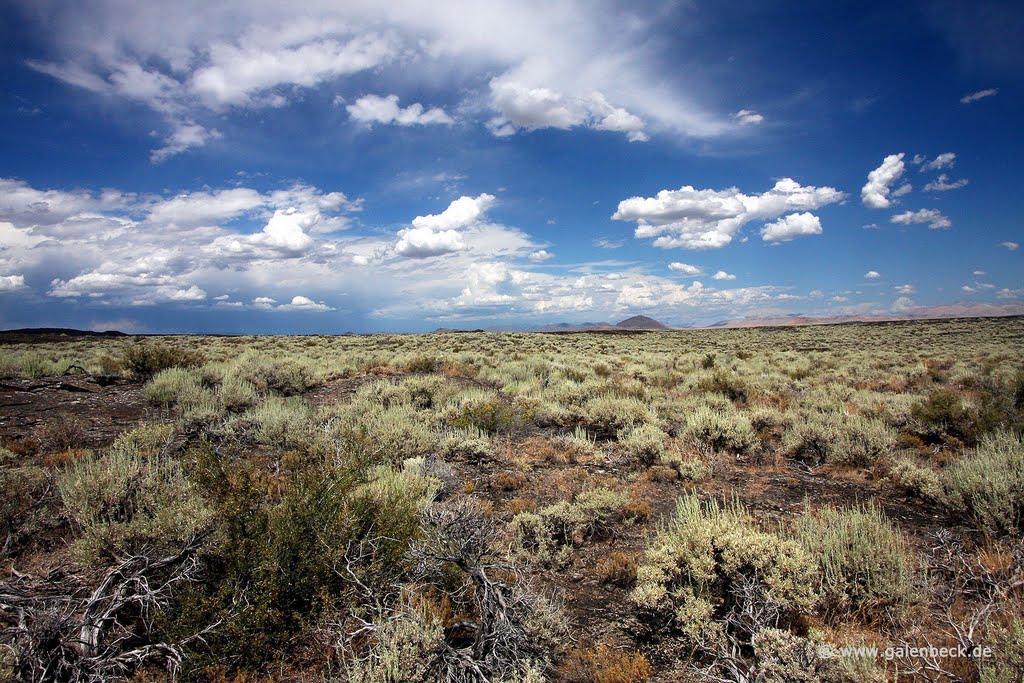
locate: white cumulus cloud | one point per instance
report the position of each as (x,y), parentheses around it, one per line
(872,275)
(372,109)
(722,275)
(540,255)
(9,283)
(710,219)
(933,217)
(1011,246)
(747,117)
(944,160)
(793,225)
(302,303)
(875,193)
(943,184)
(437,234)
(684,268)
(183,136)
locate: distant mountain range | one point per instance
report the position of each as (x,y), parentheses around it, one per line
(638,323)
(960,310)
(643,323)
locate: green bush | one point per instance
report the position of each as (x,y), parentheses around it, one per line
(130,497)
(714,431)
(420,364)
(835,438)
(645,443)
(282,375)
(548,535)
(710,568)
(278,422)
(145,359)
(943,414)
(24,488)
(487,411)
(401,651)
(725,382)
(865,566)
(1007,641)
(987,484)
(285,551)
(472,444)
(237,394)
(61,434)
(608,415)
(688,469)
(919,481)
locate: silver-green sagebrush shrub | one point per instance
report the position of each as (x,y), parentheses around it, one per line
(715,579)
(471,444)
(488,411)
(130,497)
(987,484)
(401,649)
(866,567)
(711,430)
(607,415)
(645,443)
(687,467)
(865,441)
(838,438)
(782,656)
(517,628)
(174,386)
(919,481)
(280,374)
(550,534)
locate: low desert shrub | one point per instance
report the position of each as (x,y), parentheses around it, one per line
(25,487)
(987,484)
(835,438)
(401,649)
(617,569)
(919,481)
(279,422)
(421,364)
(864,442)
(781,655)
(550,534)
(285,375)
(471,444)
(145,359)
(176,386)
(725,382)
(943,413)
(645,443)
(712,431)
(687,468)
(131,497)
(608,415)
(865,565)
(288,549)
(486,411)
(61,434)
(602,664)
(237,394)
(715,579)
(1008,641)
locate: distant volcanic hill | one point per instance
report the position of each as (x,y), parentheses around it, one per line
(642,322)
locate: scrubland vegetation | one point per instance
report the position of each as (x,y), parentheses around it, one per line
(466,507)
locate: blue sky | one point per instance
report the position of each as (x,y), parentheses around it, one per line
(396,166)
